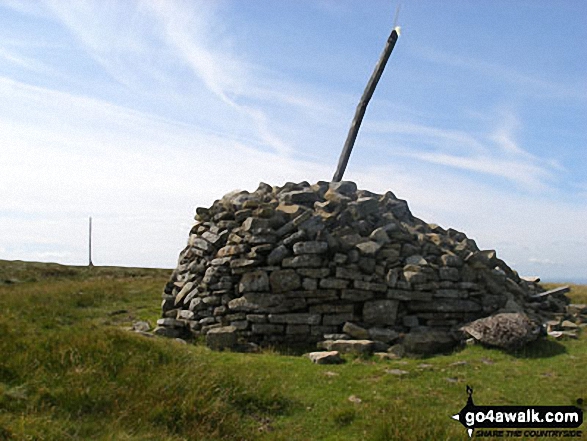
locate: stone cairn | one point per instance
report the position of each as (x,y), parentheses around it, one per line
(351,269)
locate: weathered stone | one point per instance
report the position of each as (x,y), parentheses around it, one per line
(297,330)
(325,357)
(391,255)
(416,260)
(292,210)
(240,325)
(284,280)
(302,261)
(171,323)
(448,273)
(169,332)
(380,312)
(309,284)
(296,319)
(448,293)
(336,337)
(409,296)
(254,281)
(315,273)
(187,288)
(310,247)
(577,308)
(265,302)
(276,256)
(367,206)
(445,305)
(260,239)
(337,319)
(318,293)
(411,321)
(318,331)
(243,263)
(451,260)
(396,351)
(355,331)
(332,308)
(343,187)
(203,245)
(349,346)
(396,372)
(312,226)
(221,338)
(482,259)
(507,330)
(266,328)
(380,236)
(302,218)
(368,248)
(383,334)
(220,261)
(356,295)
(254,224)
(211,237)
(332,283)
(349,273)
(370,286)
(414,277)
(141,326)
(257,318)
(197,304)
(306,196)
(185,314)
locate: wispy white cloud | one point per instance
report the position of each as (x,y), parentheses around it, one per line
(457,140)
(495,152)
(227,76)
(131,40)
(526,84)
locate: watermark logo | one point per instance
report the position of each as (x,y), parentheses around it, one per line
(551,420)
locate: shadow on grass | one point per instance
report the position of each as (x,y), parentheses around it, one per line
(541,348)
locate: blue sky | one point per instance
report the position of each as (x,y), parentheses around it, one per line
(136,112)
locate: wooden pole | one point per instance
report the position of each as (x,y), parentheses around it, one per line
(90,264)
(362,107)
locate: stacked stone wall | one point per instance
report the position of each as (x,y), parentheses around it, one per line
(293,264)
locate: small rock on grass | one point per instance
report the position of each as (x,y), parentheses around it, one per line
(325,357)
(141,325)
(396,371)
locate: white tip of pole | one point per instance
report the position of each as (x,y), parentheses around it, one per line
(398,29)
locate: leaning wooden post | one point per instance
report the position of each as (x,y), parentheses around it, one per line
(360,112)
(90,264)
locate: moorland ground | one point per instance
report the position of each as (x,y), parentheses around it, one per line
(71,370)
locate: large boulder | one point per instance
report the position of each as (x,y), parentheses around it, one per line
(506,330)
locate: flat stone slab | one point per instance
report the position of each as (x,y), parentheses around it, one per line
(325,357)
(349,346)
(221,338)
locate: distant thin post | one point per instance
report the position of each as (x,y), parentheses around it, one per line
(362,107)
(90,264)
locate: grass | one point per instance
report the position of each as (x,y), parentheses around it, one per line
(70,370)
